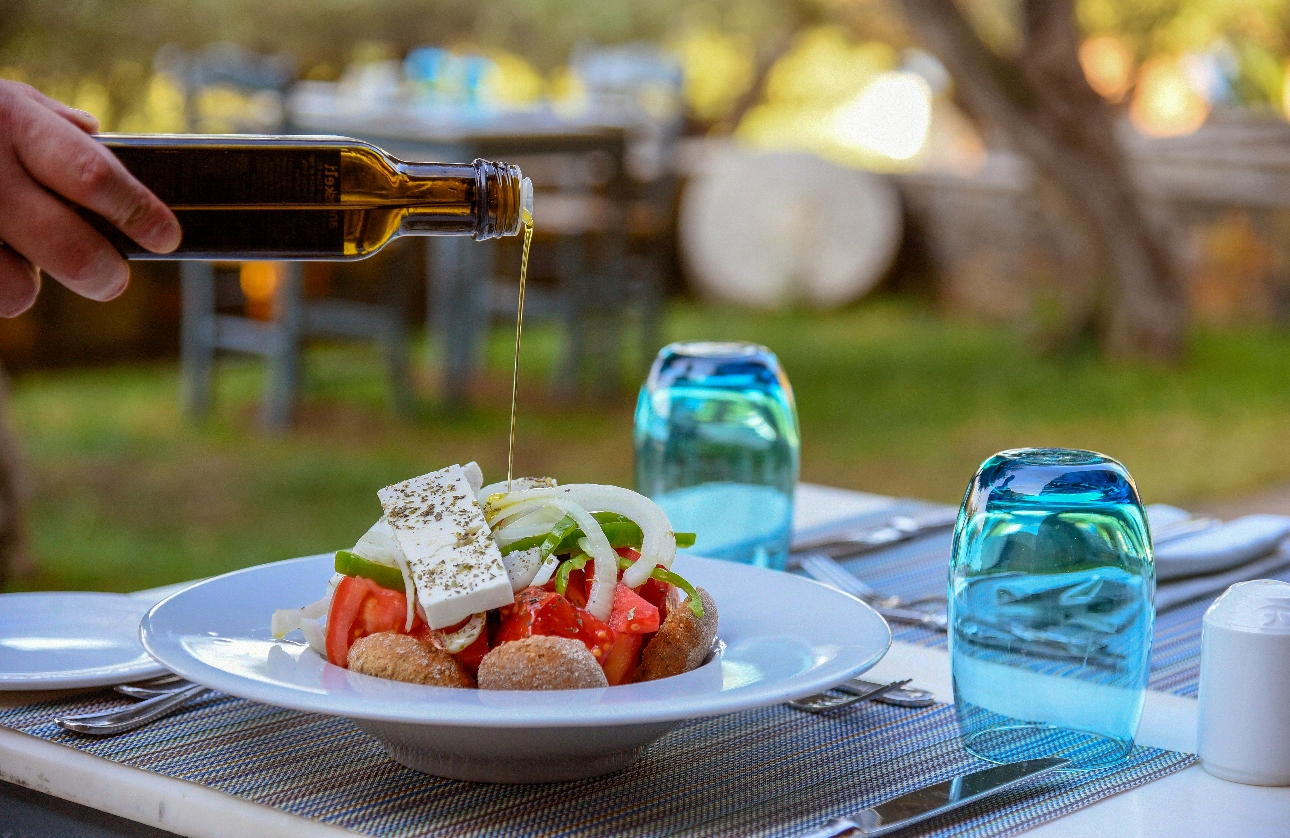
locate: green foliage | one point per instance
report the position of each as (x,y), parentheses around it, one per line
(1252,32)
(892,398)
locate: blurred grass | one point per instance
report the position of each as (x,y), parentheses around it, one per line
(893,399)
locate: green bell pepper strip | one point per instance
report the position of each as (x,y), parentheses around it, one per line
(524,544)
(621,532)
(669,578)
(696,605)
(575,562)
(352,564)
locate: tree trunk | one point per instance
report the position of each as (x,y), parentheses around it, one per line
(1044,105)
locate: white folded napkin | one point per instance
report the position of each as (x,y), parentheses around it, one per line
(1227,546)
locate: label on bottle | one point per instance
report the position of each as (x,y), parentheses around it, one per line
(263,175)
(261,234)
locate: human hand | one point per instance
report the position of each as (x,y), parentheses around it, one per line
(48,160)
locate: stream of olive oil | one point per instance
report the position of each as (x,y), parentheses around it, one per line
(519,330)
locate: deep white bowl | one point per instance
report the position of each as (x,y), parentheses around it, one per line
(783,637)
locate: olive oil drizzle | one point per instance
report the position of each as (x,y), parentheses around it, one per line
(519,330)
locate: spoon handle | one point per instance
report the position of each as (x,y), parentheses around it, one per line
(136,715)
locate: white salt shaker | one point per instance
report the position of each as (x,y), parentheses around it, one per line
(1244,713)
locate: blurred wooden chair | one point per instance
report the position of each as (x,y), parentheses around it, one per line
(278,288)
(294,319)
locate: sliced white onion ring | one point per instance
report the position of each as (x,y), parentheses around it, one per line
(658,547)
(459,639)
(518,484)
(474,477)
(287,620)
(538,522)
(600,599)
(522,567)
(545,572)
(315,632)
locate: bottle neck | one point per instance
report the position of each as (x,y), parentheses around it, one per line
(491,199)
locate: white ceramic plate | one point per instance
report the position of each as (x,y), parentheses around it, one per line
(784,637)
(58,641)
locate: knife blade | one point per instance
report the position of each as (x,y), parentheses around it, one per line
(936,799)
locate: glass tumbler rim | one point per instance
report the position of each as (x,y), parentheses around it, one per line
(715,349)
(1052,456)
(1050,478)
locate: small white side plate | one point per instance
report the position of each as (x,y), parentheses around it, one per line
(63,641)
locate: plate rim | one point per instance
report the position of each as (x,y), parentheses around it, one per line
(296,698)
(84,678)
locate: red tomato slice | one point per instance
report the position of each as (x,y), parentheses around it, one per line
(541,612)
(360,607)
(623,658)
(655,593)
(576,592)
(632,613)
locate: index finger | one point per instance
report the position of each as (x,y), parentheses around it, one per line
(87,122)
(71,163)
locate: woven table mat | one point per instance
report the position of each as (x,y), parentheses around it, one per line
(772,772)
(920,567)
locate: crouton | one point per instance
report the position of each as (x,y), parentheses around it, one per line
(682,642)
(541,662)
(401,657)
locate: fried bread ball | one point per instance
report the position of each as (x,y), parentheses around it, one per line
(682,642)
(401,657)
(541,662)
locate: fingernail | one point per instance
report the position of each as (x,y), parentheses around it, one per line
(164,236)
(114,275)
(89,118)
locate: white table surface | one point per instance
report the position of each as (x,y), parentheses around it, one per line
(1188,803)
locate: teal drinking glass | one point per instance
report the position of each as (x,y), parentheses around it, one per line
(1051,609)
(716,442)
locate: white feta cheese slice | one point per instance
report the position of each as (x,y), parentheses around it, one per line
(454,560)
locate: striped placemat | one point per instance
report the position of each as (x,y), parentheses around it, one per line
(919,568)
(768,772)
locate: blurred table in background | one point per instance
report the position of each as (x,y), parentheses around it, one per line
(586,201)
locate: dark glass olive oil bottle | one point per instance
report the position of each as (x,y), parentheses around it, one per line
(317,198)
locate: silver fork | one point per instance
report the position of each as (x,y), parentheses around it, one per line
(824,569)
(153,687)
(824,702)
(111,722)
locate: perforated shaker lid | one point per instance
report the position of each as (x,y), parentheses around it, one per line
(1261,607)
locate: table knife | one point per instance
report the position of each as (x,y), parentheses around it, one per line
(936,799)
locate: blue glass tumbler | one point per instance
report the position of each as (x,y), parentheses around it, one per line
(717,447)
(1051,595)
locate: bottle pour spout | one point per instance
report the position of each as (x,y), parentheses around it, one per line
(526,202)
